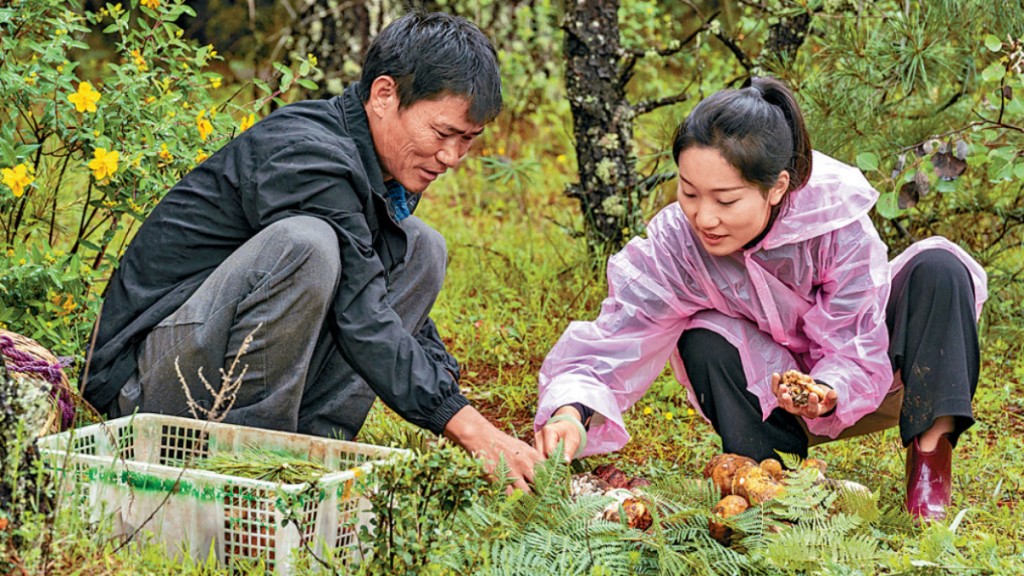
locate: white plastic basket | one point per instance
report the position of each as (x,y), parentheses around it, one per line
(139,471)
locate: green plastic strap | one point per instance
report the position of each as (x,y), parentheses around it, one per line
(583,431)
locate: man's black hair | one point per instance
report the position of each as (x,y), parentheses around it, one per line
(431,55)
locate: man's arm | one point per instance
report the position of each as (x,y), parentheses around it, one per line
(432,344)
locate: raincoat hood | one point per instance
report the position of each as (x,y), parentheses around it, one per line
(835,196)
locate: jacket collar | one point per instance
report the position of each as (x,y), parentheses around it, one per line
(835,196)
(353,115)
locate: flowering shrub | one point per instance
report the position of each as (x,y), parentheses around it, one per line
(87,149)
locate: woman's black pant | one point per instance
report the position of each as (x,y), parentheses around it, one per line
(933,341)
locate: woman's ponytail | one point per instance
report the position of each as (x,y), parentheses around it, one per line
(777,94)
(758,129)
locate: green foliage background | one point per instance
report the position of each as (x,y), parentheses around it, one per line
(886,85)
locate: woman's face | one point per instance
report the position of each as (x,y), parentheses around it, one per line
(725,211)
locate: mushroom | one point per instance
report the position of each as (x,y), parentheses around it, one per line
(726,508)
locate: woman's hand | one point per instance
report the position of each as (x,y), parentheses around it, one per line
(815,406)
(547,438)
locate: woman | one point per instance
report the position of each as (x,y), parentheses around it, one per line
(765,265)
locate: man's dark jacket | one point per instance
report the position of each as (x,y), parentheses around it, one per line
(312,158)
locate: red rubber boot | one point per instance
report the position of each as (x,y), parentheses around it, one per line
(929,480)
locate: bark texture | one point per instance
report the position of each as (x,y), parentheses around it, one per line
(602,122)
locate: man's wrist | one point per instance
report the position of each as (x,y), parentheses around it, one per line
(447,410)
(466,426)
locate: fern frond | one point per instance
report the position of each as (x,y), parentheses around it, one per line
(502,473)
(858,503)
(813,544)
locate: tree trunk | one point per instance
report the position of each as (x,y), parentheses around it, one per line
(602,124)
(786,37)
(337,32)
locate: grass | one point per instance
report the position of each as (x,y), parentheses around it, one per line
(517,277)
(516,280)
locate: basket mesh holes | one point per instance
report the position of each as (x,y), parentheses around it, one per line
(126,442)
(85,444)
(346,537)
(249,527)
(308,526)
(180,445)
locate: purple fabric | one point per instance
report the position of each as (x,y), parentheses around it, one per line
(25,363)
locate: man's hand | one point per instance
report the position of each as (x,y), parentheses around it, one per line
(814,408)
(469,429)
(547,438)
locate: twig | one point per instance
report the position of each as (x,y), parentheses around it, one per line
(649,105)
(736,51)
(223,399)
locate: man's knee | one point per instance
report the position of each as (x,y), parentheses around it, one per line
(427,253)
(311,241)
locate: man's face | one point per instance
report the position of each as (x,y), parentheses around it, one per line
(417,144)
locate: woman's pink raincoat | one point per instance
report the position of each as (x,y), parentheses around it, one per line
(810,295)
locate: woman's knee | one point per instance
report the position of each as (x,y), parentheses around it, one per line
(938,270)
(703,348)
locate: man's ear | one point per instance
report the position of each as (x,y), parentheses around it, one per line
(778,190)
(383,95)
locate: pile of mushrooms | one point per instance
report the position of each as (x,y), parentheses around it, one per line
(743,482)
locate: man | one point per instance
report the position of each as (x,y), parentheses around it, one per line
(299,232)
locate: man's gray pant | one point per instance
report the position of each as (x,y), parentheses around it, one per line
(282,280)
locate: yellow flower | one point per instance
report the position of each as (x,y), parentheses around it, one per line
(85,99)
(151,4)
(10,252)
(31,79)
(18,178)
(247,122)
(561,158)
(648,411)
(690,412)
(103,164)
(66,302)
(312,59)
(203,125)
(150,99)
(139,61)
(668,416)
(165,155)
(215,82)
(201,156)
